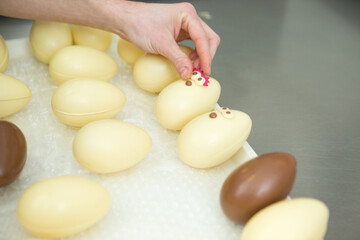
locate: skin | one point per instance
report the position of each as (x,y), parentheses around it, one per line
(155,28)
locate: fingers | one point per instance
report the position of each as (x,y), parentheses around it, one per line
(214,39)
(205,39)
(199,37)
(181,61)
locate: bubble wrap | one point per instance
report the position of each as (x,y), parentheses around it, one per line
(159,198)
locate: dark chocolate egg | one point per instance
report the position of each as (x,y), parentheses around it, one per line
(12,152)
(256,184)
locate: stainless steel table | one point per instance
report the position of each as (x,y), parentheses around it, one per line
(294,67)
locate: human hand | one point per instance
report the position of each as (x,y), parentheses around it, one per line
(156,28)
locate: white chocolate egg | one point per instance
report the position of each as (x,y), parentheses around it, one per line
(91,37)
(80,101)
(109,146)
(182,101)
(154,72)
(62,206)
(295,219)
(46,38)
(187,50)
(4,55)
(81,62)
(128,51)
(211,138)
(14,95)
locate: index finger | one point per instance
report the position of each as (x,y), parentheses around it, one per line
(199,37)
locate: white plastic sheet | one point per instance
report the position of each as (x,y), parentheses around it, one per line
(161,198)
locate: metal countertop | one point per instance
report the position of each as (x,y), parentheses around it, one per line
(294,67)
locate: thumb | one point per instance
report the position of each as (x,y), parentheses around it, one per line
(180,60)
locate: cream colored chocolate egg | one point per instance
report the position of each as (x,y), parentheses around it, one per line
(81,62)
(295,219)
(128,51)
(154,72)
(91,37)
(109,146)
(187,50)
(62,206)
(80,101)
(213,137)
(46,38)
(182,101)
(14,95)
(4,54)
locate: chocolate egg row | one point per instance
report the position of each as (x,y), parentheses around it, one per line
(208,137)
(46,38)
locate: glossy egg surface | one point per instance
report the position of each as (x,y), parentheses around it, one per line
(256,184)
(62,206)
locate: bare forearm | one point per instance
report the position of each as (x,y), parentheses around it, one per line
(84,12)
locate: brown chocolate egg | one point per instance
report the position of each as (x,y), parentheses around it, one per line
(12,152)
(256,184)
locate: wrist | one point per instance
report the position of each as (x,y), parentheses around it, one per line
(122,16)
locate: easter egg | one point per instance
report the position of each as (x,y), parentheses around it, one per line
(154,72)
(46,38)
(108,146)
(80,101)
(128,51)
(182,101)
(62,206)
(212,138)
(14,95)
(256,184)
(4,54)
(91,37)
(81,62)
(12,152)
(295,219)
(187,50)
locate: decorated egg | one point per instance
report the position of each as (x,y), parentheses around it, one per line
(182,101)
(80,101)
(12,152)
(108,146)
(128,51)
(154,72)
(62,206)
(212,138)
(14,95)
(46,38)
(91,37)
(256,184)
(81,62)
(4,55)
(295,219)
